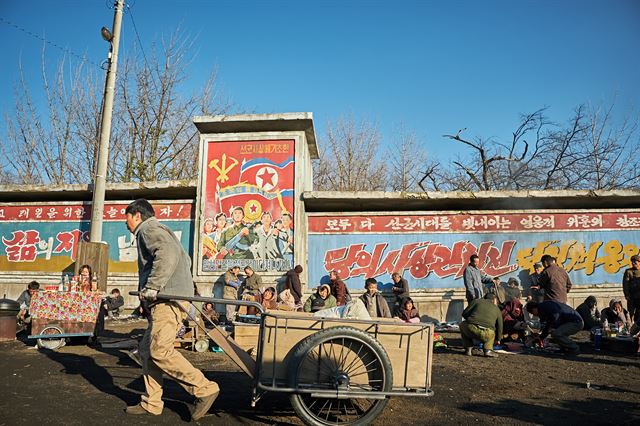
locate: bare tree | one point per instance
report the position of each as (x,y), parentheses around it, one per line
(590,151)
(407,161)
(349,158)
(44,147)
(152,136)
(611,161)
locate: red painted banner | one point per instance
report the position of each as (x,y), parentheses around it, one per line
(74,212)
(449,222)
(420,259)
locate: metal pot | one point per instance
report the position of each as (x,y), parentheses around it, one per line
(8,307)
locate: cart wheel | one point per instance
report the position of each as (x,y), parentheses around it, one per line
(202,345)
(339,358)
(51,343)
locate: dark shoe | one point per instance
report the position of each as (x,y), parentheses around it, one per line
(135,356)
(202,406)
(468,351)
(137,410)
(490,354)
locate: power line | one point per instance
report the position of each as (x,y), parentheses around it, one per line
(144,55)
(57,46)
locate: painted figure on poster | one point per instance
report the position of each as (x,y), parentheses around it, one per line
(209,248)
(237,238)
(212,230)
(285,236)
(266,246)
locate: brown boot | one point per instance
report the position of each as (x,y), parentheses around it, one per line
(137,410)
(202,406)
(489,353)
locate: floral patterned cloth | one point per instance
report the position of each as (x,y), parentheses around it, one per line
(66,305)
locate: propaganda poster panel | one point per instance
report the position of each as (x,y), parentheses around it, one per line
(247,205)
(44,237)
(432,250)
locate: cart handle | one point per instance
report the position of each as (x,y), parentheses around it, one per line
(170,297)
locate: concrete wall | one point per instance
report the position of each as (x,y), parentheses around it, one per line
(434,303)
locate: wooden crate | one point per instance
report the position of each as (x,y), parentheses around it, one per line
(409,346)
(246,335)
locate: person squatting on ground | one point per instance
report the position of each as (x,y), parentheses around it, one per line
(24,300)
(559,319)
(164,267)
(321,299)
(483,322)
(631,288)
(400,290)
(554,280)
(589,312)
(474,279)
(114,304)
(110,306)
(374,301)
(513,320)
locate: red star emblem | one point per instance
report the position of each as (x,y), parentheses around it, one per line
(267,177)
(253,208)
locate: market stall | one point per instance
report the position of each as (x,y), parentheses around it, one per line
(58,315)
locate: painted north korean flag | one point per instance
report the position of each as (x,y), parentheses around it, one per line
(265,173)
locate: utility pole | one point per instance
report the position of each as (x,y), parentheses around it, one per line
(97,206)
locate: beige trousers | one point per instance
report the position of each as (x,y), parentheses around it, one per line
(159,356)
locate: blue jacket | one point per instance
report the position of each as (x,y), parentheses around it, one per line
(473,280)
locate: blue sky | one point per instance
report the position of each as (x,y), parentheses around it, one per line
(433,66)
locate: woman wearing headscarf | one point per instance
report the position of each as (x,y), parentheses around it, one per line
(616,314)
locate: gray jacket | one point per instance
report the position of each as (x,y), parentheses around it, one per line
(473,280)
(163,264)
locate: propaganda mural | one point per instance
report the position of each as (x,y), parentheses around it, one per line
(432,251)
(247,205)
(44,237)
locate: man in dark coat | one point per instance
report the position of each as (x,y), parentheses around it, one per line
(535,292)
(554,280)
(400,290)
(589,312)
(293,284)
(631,288)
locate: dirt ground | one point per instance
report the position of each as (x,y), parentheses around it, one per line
(79,385)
